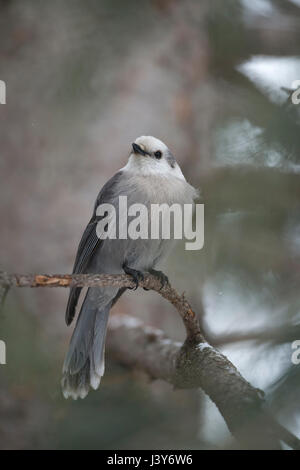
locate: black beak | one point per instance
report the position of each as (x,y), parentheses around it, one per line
(138,149)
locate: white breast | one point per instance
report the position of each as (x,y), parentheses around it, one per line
(169,190)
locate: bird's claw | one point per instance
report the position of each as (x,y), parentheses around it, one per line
(164,280)
(136,275)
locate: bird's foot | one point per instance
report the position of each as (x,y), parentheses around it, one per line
(160,276)
(137,276)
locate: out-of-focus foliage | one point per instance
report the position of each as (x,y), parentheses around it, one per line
(84,79)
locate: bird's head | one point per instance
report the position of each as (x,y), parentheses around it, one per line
(151,156)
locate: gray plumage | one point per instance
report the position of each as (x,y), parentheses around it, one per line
(143,180)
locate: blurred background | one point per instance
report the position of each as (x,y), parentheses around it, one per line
(212,79)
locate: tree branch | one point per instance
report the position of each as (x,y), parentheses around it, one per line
(199,365)
(191,365)
(105,280)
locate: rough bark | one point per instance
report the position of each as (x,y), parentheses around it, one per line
(199,365)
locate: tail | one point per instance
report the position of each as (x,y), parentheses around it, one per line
(84,362)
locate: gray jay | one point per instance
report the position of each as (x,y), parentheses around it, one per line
(151,176)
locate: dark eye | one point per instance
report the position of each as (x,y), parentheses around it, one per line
(157,154)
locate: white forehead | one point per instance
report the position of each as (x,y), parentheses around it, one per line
(151,143)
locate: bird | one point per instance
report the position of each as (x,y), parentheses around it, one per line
(151,176)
